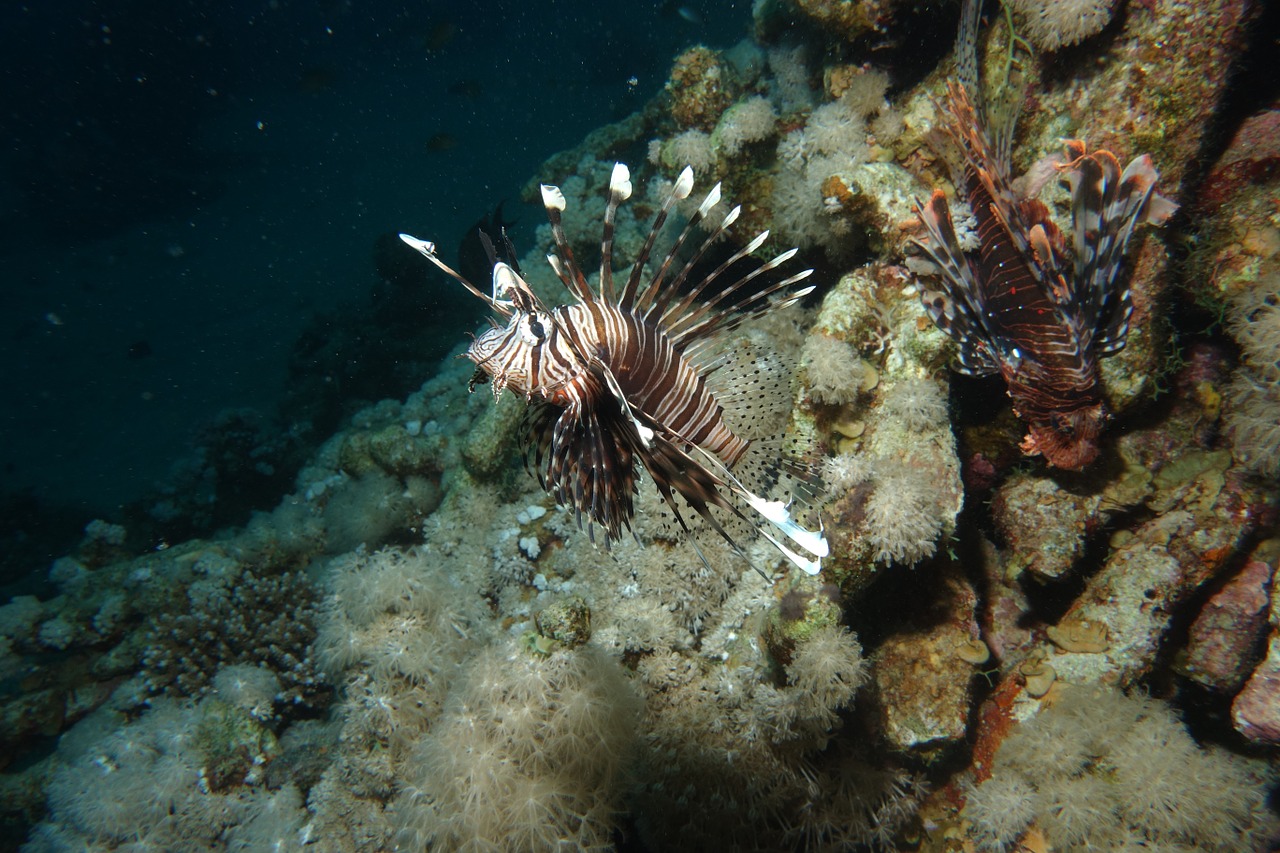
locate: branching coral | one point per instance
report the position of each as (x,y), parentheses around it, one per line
(690,148)
(154,785)
(834,371)
(828,669)
(365,511)
(750,120)
(733,762)
(401,619)
(918,403)
(229,614)
(131,781)
(902,520)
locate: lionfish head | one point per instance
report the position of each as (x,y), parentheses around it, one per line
(507,352)
(1069,439)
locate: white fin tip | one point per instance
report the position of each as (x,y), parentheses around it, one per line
(426,247)
(684,183)
(809,567)
(552,198)
(712,199)
(620,181)
(776,513)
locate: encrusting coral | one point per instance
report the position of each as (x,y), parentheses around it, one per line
(1253,413)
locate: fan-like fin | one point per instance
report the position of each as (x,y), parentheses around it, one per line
(674,314)
(956,309)
(1106,206)
(659,294)
(726,318)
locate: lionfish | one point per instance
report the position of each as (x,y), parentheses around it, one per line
(619,380)
(1025,306)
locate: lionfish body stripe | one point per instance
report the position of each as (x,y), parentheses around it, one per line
(620,379)
(1017,307)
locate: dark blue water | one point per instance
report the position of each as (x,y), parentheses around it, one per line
(192,197)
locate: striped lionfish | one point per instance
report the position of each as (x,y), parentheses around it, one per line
(621,378)
(1025,307)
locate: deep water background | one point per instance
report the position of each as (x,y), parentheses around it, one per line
(196,201)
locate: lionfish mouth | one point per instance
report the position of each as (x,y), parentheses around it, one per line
(620,379)
(1070,451)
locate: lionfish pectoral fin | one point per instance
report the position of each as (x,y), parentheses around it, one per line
(956,309)
(809,567)
(778,514)
(1107,205)
(611,382)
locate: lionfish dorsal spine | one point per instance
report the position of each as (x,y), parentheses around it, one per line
(574,281)
(1106,206)
(708,322)
(428,250)
(679,320)
(619,191)
(710,240)
(675,312)
(679,192)
(659,293)
(957,311)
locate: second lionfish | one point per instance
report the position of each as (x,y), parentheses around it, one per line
(1023,305)
(620,378)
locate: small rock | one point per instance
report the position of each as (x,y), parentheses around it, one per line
(1224,637)
(1256,710)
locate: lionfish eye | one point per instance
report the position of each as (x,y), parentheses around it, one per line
(532,330)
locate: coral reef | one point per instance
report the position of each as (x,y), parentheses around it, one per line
(415,649)
(701,86)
